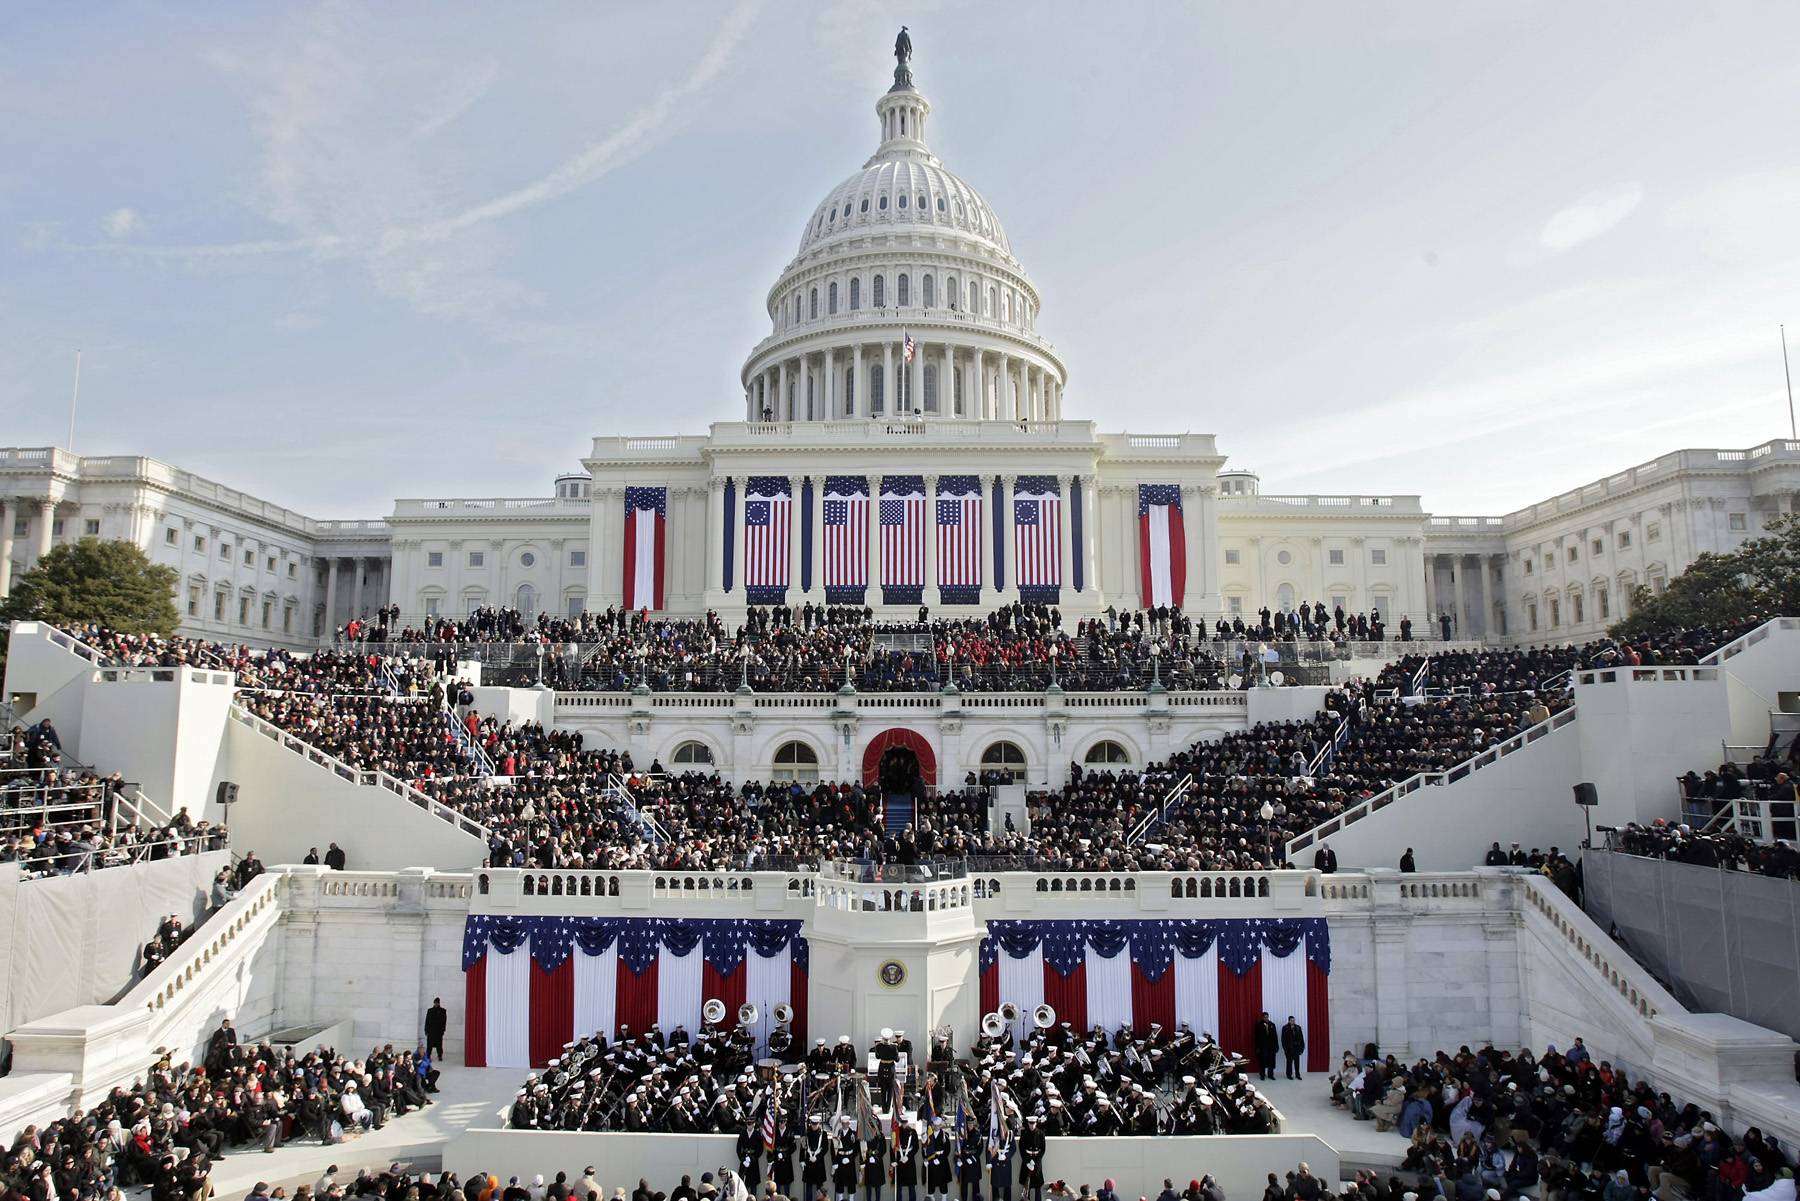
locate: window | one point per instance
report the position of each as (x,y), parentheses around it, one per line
(268,613)
(903,290)
(974,297)
(434,558)
(577,558)
(577,603)
(812,304)
(1284,557)
(1531,616)
(931,388)
(1575,608)
(294,571)
(690,753)
(1106,751)
(1006,758)
(1624,539)
(876,388)
(90,527)
(993,302)
(193,600)
(1573,552)
(219,605)
(795,761)
(880,291)
(527,559)
(1335,557)
(940,202)
(249,558)
(1233,556)
(477,558)
(200,543)
(287,619)
(1599,547)
(431,606)
(831,299)
(922,200)
(171,537)
(1738,521)
(1529,564)
(1555,614)
(1378,556)
(1600,603)
(930,288)
(1549,560)
(1235,604)
(1340,602)
(882,204)
(951,292)
(903,200)
(225,551)
(1653,532)
(271,563)
(849,391)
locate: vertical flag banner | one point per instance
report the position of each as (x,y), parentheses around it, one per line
(728,539)
(1037,537)
(533,984)
(768,524)
(846,514)
(1215,976)
(646,518)
(959,539)
(1162,545)
(902,521)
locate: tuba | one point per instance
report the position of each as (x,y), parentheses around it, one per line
(783,1013)
(747,1014)
(1043,1017)
(1009,1013)
(713,1011)
(993,1025)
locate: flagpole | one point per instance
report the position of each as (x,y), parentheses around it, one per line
(1786,375)
(76,395)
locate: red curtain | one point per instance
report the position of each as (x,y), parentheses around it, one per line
(475,1015)
(1068,996)
(1153,1002)
(552,1011)
(728,988)
(990,988)
(1240,1004)
(913,741)
(1318,1019)
(637,998)
(797,998)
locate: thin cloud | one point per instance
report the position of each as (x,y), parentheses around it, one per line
(1589,217)
(121,223)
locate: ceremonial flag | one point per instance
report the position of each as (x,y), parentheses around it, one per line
(533,984)
(770,1119)
(1162,545)
(1217,975)
(902,521)
(768,513)
(909,348)
(959,538)
(1037,533)
(646,517)
(846,513)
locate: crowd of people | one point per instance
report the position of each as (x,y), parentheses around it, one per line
(166,1131)
(1727,849)
(1560,1125)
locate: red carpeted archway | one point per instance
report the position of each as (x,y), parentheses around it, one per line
(913,741)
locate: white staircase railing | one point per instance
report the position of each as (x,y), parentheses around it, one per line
(1413,783)
(1176,797)
(1744,642)
(474,754)
(618,789)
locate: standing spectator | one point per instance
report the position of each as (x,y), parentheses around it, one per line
(1293,1045)
(437,1020)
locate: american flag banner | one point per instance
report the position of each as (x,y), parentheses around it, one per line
(902,521)
(646,519)
(768,524)
(1037,536)
(909,348)
(534,984)
(1216,976)
(846,545)
(959,539)
(1162,545)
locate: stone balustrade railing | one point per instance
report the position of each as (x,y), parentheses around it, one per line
(1616,971)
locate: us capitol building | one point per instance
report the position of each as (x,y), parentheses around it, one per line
(904,439)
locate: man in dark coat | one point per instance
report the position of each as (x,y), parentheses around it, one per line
(815,1155)
(1267,1041)
(437,1019)
(1325,859)
(1293,1045)
(906,1164)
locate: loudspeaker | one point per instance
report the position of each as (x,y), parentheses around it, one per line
(1585,794)
(227,794)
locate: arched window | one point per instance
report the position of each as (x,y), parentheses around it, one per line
(877,389)
(903,290)
(882,204)
(812,305)
(691,753)
(930,288)
(903,200)
(880,291)
(993,304)
(849,391)
(974,298)
(831,299)
(931,388)
(950,292)
(809,396)
(855,294)
(1005,757)
(1106,751)
(865,205)
(526,599)
(794,760)
(1006,306)
(956,387)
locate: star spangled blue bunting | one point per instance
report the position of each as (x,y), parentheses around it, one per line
(1151,495)
(959,485)
(726,941)
(647,498)
(1155,944)
(903,485)
(1035,485)
(846,485)
(766,485)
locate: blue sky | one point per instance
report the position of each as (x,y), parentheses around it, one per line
(339,253)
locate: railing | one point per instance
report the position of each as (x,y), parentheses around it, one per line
(618,787)
(473,753)
(75,646)
(1172,800)
(1321,762)
(162,991)
(1618,972)
(359,776)
(1647,675)
(1412,784)
(1744,642)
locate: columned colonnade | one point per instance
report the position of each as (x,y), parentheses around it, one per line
(837,383)
(1472,611)
(39,515)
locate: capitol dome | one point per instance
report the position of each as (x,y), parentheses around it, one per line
(903,250)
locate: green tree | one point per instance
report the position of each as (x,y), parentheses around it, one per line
(1761,578)
(107,582)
